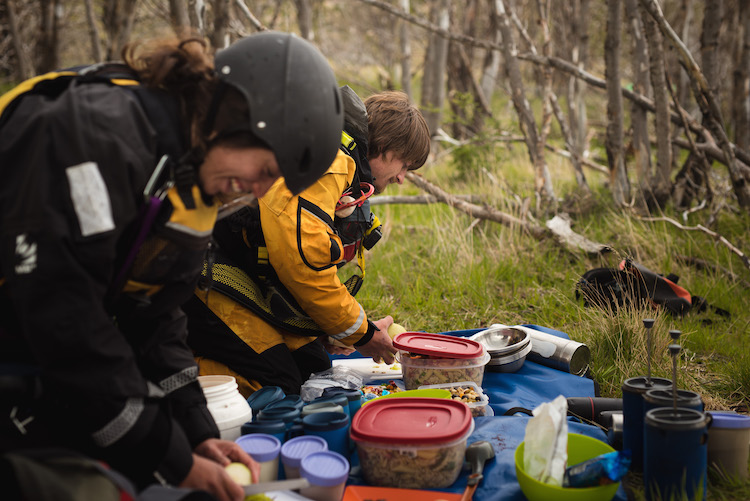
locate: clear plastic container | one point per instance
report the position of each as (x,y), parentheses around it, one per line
(469,393)
(428,371)
(412,443)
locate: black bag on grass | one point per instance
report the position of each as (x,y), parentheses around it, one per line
(631,284)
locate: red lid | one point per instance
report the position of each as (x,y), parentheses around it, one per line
(412,420)
(440,345)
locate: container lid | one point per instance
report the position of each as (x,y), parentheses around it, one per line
(351,394)
(338,399)
(666,418)
(412,421)
(664,398)
(286,414)
(269,426)
(314,407)
(259,399)
(640,384)
(287,401)
(325,468)
(729,420)
(439,345)
(325,421)
(421,392)
(297,448)
(260,446)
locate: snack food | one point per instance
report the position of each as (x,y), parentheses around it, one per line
(425,451)
(469,393)
(239,473)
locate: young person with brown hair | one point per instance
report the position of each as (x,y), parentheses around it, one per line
(112,180)
(276,306)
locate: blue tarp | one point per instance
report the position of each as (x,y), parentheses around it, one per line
(532,385)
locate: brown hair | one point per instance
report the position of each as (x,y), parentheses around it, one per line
(396,125)
(182,67)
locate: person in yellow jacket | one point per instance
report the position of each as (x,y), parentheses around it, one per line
(271,305)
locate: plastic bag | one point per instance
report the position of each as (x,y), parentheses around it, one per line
(546,442)
(335,376)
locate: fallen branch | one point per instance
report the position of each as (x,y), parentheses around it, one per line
(702,264)
(417,199)
(711,233)
(558,227)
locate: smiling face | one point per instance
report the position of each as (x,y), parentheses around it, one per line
(230,171)
(387,169)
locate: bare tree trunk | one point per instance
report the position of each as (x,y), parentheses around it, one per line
(220,33)
(683,91)
(48,48)
(710,44)
(661,184)
(615,154)
(741,82)
(638,116)
(304,19)
(491,65)
(576,88)
(25,67)
(542,181)
(197,15)
(707,102)
(118,22)
(433,82)
(178,16)
(96,44)
(405,41)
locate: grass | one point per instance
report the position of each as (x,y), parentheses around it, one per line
(436,271)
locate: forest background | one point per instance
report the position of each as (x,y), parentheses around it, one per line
(566,136)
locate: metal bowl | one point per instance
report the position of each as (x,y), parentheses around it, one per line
(509,362)
(500,341)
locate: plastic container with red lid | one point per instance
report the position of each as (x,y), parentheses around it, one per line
(438,359)
(412,442)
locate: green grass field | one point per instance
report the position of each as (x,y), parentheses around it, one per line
(434,270)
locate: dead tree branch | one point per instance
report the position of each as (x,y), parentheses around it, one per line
(417,199)
(557,227)
(745,260)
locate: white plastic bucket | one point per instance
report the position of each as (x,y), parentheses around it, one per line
(228,407)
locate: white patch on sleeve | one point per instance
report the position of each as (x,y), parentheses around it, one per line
(90,199)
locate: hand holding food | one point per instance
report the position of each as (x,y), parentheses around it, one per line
(380,346)
(395,329)
(239,473)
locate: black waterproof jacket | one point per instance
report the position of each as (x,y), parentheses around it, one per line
(118,379)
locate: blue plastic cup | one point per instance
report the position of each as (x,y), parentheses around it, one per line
(675,454)
(286,414)
(288,401)
(354,397)
(276,427)
(261,398)
(331,426)
(633,414)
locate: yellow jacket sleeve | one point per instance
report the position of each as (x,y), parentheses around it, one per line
(304,249)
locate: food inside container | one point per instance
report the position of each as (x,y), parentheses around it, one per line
(437,358)
(469,393)
(412,442)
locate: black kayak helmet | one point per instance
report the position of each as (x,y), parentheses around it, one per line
(293,98)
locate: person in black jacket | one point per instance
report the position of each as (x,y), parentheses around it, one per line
(113,177)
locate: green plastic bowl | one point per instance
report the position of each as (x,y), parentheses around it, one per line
(424,393)
(580,448)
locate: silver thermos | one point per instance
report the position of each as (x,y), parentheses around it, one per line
(559,353)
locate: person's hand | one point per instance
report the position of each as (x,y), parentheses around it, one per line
(380,346)
(210,476)
(336,347)
(225,452)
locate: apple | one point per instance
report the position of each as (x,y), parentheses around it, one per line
(239,473)
(395,329)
